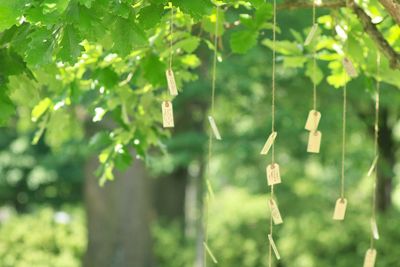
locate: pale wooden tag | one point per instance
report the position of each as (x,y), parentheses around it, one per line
(373,165)
(340,209)
(374,229)
(214,128)
(268,143)
(276,215)
(273,175)
(370,258)
(171,82)
(168,114)
(311,34)
(314,142)
(272,243)
(313,119)
(349,67)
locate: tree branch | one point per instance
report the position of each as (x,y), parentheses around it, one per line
(308,4)
(377,37)
(393,8)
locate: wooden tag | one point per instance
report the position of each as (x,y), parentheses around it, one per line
(268,144)
(272,243)
(311,34)
(275,214)
(314,142)
(273,175)
(168,114)
(373,165)
(171,82)
(374,229)
(313,119)
(214,128)
(340,209)
(349,67)
(370,258)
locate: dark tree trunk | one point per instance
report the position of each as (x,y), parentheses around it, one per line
(118,219)
(386,164)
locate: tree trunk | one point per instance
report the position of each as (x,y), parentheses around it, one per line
(386,164)
(118,219)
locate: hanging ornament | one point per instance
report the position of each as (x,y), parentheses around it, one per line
(370,255)
(314,116)
(166,106)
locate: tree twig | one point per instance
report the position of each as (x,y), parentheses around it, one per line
(393,8)
(308,4)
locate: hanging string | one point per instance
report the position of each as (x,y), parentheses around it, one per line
(171,31)
(210,145)
(314,63)
(376,150)
(272,125)
(343,137)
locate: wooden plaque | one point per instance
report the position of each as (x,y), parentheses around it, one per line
(311,34)
(171,82)
(214,128)
(340,209)
(313,119)
(349,67)
(268,143)
(273,175)
(272,243)
(314,142)
(275,214)
(168,114)
(370,258)
(374,229)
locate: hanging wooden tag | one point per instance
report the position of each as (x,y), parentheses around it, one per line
(313,119)
(214,128)
(171,82)
(275,214)
(168,114)
(272,243)
(311,34)
(268,143)
(273,175)
(340,209)
(373,165)
(314,142)
(349,67)
(370,258)
(374,229)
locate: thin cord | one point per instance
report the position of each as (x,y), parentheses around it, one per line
(272,125)
(376,130)
(171,30)
(314,64)
(210,139)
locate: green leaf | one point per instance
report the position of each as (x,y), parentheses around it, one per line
(150,16)
(242,41)
(154,70)
(284,47)
(197,9)
(315,77)
(7,108)
(192,61)
(70,48)
(40,48)
(188,45)
(209,23)
(294,62)
(126,36)
(10,10)
(40,109)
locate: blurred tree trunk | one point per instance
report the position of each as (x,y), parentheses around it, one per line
(387,161)
(118,219)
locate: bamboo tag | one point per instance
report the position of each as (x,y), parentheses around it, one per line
(311,34)
(374,229)
(313,119)
(340,209)
(273,175)
(314,142)
(276,215)
(168,114)
(349,67)
(268,143)
(171,82)
(373,165)
(370,258)
(214,128)
(272,243)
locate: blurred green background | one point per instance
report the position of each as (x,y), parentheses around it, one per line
(53,212)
